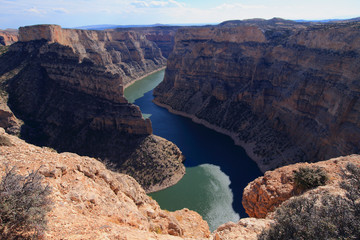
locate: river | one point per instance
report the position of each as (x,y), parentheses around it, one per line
(217,171)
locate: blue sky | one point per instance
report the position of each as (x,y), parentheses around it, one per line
(74,13)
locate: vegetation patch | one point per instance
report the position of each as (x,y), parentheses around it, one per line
(320,216)
(24,202)
(306,178)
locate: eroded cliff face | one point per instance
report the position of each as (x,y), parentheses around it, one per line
(128,54)
(163,36)
(287,92)
(92,202)
(8,37)
(67,87)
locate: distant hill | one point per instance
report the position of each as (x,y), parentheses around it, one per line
(112,26)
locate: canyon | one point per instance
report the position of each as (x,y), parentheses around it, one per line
(67,85)
(287,92)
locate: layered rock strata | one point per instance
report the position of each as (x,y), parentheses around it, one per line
(285,91)
(67,87)
(92,202)
(8,37)
(128,53)
(163,36)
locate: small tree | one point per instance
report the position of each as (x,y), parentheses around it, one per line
(308,178)
(24,203)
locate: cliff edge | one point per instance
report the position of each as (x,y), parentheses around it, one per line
(92,202)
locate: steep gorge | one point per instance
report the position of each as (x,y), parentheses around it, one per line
(67,87)
(286,91)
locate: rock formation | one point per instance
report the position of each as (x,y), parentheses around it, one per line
(8,37)
(67,87)
(264,194)
(128,54)
(163,36)
(91,202)
(287,92)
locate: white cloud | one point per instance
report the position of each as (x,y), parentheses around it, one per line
(60,10)
(238,6)
(35,10)
(156,4)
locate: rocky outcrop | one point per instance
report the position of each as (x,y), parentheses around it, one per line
(287,92)
(8,37)
(264,194)
(245,229)
(92,202)
(67,87)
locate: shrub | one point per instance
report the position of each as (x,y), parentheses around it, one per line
(308,178)
(320,216)
(24,203)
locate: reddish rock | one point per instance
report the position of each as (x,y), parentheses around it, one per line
(264,194)
(92,202)
(8,37)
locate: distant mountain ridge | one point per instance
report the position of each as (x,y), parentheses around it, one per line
(113,26)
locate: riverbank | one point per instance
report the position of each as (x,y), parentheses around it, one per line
(142,77)
(248,147)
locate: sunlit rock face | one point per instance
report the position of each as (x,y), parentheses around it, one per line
(263,195)
(285,91)
(94,202)
(67,87)
(163,36)
(8,37)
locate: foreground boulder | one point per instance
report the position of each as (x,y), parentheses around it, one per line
(91,202)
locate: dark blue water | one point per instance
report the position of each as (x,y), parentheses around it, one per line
(203,148)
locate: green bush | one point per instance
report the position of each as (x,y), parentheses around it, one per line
(308,178)
(324,216)
(24,203)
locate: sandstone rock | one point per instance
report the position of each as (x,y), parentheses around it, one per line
(128,54)
(8,37)
(264,194)
(163,36)
(245,229)
(91,202)
(287,92)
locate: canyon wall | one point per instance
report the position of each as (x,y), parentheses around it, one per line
(8,37)
(128,54)
(163,36)
(67,88)
(286,91)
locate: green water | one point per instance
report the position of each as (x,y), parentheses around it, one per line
(205,189)
(216,170)
(139,88)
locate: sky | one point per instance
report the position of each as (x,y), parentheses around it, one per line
(76,13)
